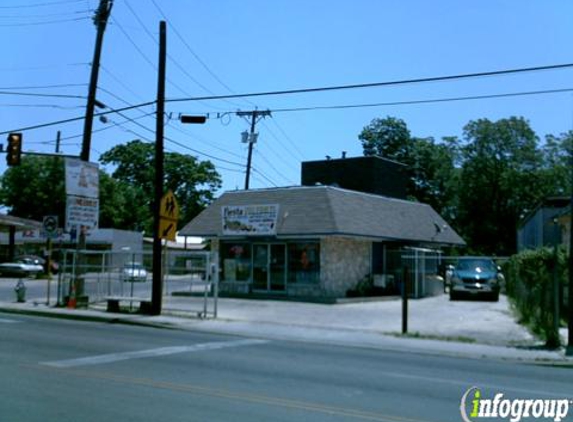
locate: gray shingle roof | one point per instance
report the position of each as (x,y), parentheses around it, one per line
(326,210)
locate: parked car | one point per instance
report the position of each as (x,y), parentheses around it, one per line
(133,271)
(475,276)
(37,260)
(22,267)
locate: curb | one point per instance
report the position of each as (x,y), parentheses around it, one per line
(317,335)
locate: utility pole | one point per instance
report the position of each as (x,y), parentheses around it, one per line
(156,288)
(58,138)
(100,21)
(251,137)
(569,349)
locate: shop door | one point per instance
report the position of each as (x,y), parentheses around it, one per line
(269,267)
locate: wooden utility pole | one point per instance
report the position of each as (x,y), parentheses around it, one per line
(569,349)
(100,21)
(156,289)
(256,115)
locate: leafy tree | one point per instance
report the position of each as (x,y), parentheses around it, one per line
(389,138)
(430,165)
(499,179)
(35,188)
(192,181)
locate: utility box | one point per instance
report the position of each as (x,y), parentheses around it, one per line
(371,174)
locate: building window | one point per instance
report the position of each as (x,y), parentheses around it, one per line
(304,263)
(236,259)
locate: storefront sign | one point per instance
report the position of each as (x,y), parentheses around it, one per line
(250,220)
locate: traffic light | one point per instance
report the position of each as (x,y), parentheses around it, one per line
(14,151)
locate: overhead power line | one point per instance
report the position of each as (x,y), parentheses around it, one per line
(43,86)
(382,84)
(39,23)
(428,101)
(36,94)
(50,3)
(342,87)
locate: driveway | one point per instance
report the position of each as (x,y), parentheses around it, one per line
(475,321)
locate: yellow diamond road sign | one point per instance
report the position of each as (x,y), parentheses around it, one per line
(169,214)
(169,208)
(167,229)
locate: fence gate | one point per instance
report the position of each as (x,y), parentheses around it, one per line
(103,274)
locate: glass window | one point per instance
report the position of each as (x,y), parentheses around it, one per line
(236,261)
(304,262)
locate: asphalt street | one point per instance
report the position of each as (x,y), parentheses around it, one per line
(65,370)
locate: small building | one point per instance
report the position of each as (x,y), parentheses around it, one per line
(316,241)
(541,226)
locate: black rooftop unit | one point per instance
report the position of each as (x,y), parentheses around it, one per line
(371,174)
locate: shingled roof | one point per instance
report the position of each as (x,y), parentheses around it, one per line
(326,210)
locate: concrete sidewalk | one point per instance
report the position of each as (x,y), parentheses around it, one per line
(436,325)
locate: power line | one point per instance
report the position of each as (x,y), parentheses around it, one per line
(272,166)
(429,101)
(31,94)
(279,141)
(290,92)
(381,84)
(144,56)
(265,177)
(43,86)
(51,3)
(39,23)
(288,138)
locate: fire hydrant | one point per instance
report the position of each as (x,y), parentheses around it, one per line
(20,290)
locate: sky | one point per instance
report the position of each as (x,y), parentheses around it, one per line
(230,47)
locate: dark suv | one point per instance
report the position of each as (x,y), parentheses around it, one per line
(475,276)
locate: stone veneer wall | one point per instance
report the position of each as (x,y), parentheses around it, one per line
(343,263)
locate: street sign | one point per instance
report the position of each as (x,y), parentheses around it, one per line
(50,226)
(169,207)
(167,229)
(168,216)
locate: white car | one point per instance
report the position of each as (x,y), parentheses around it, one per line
(20,268)
(133,271)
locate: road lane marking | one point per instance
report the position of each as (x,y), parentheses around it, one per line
(8,321)
(150,353)
(240,396)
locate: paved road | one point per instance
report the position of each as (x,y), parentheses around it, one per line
(69,371)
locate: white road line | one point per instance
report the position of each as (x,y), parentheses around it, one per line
(8,321)
(162,351)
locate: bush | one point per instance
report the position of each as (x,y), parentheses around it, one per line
(529,284)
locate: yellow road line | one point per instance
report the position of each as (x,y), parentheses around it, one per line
(238,396)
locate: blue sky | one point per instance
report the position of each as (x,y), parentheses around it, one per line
(229,46)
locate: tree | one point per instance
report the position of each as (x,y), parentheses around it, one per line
(430,165)
(192,181)
(499,179)
(388,137)
(35,188)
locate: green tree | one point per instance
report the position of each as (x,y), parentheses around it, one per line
(192,181)
(499,179)
(389,138)
(430,165)
(35,188)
